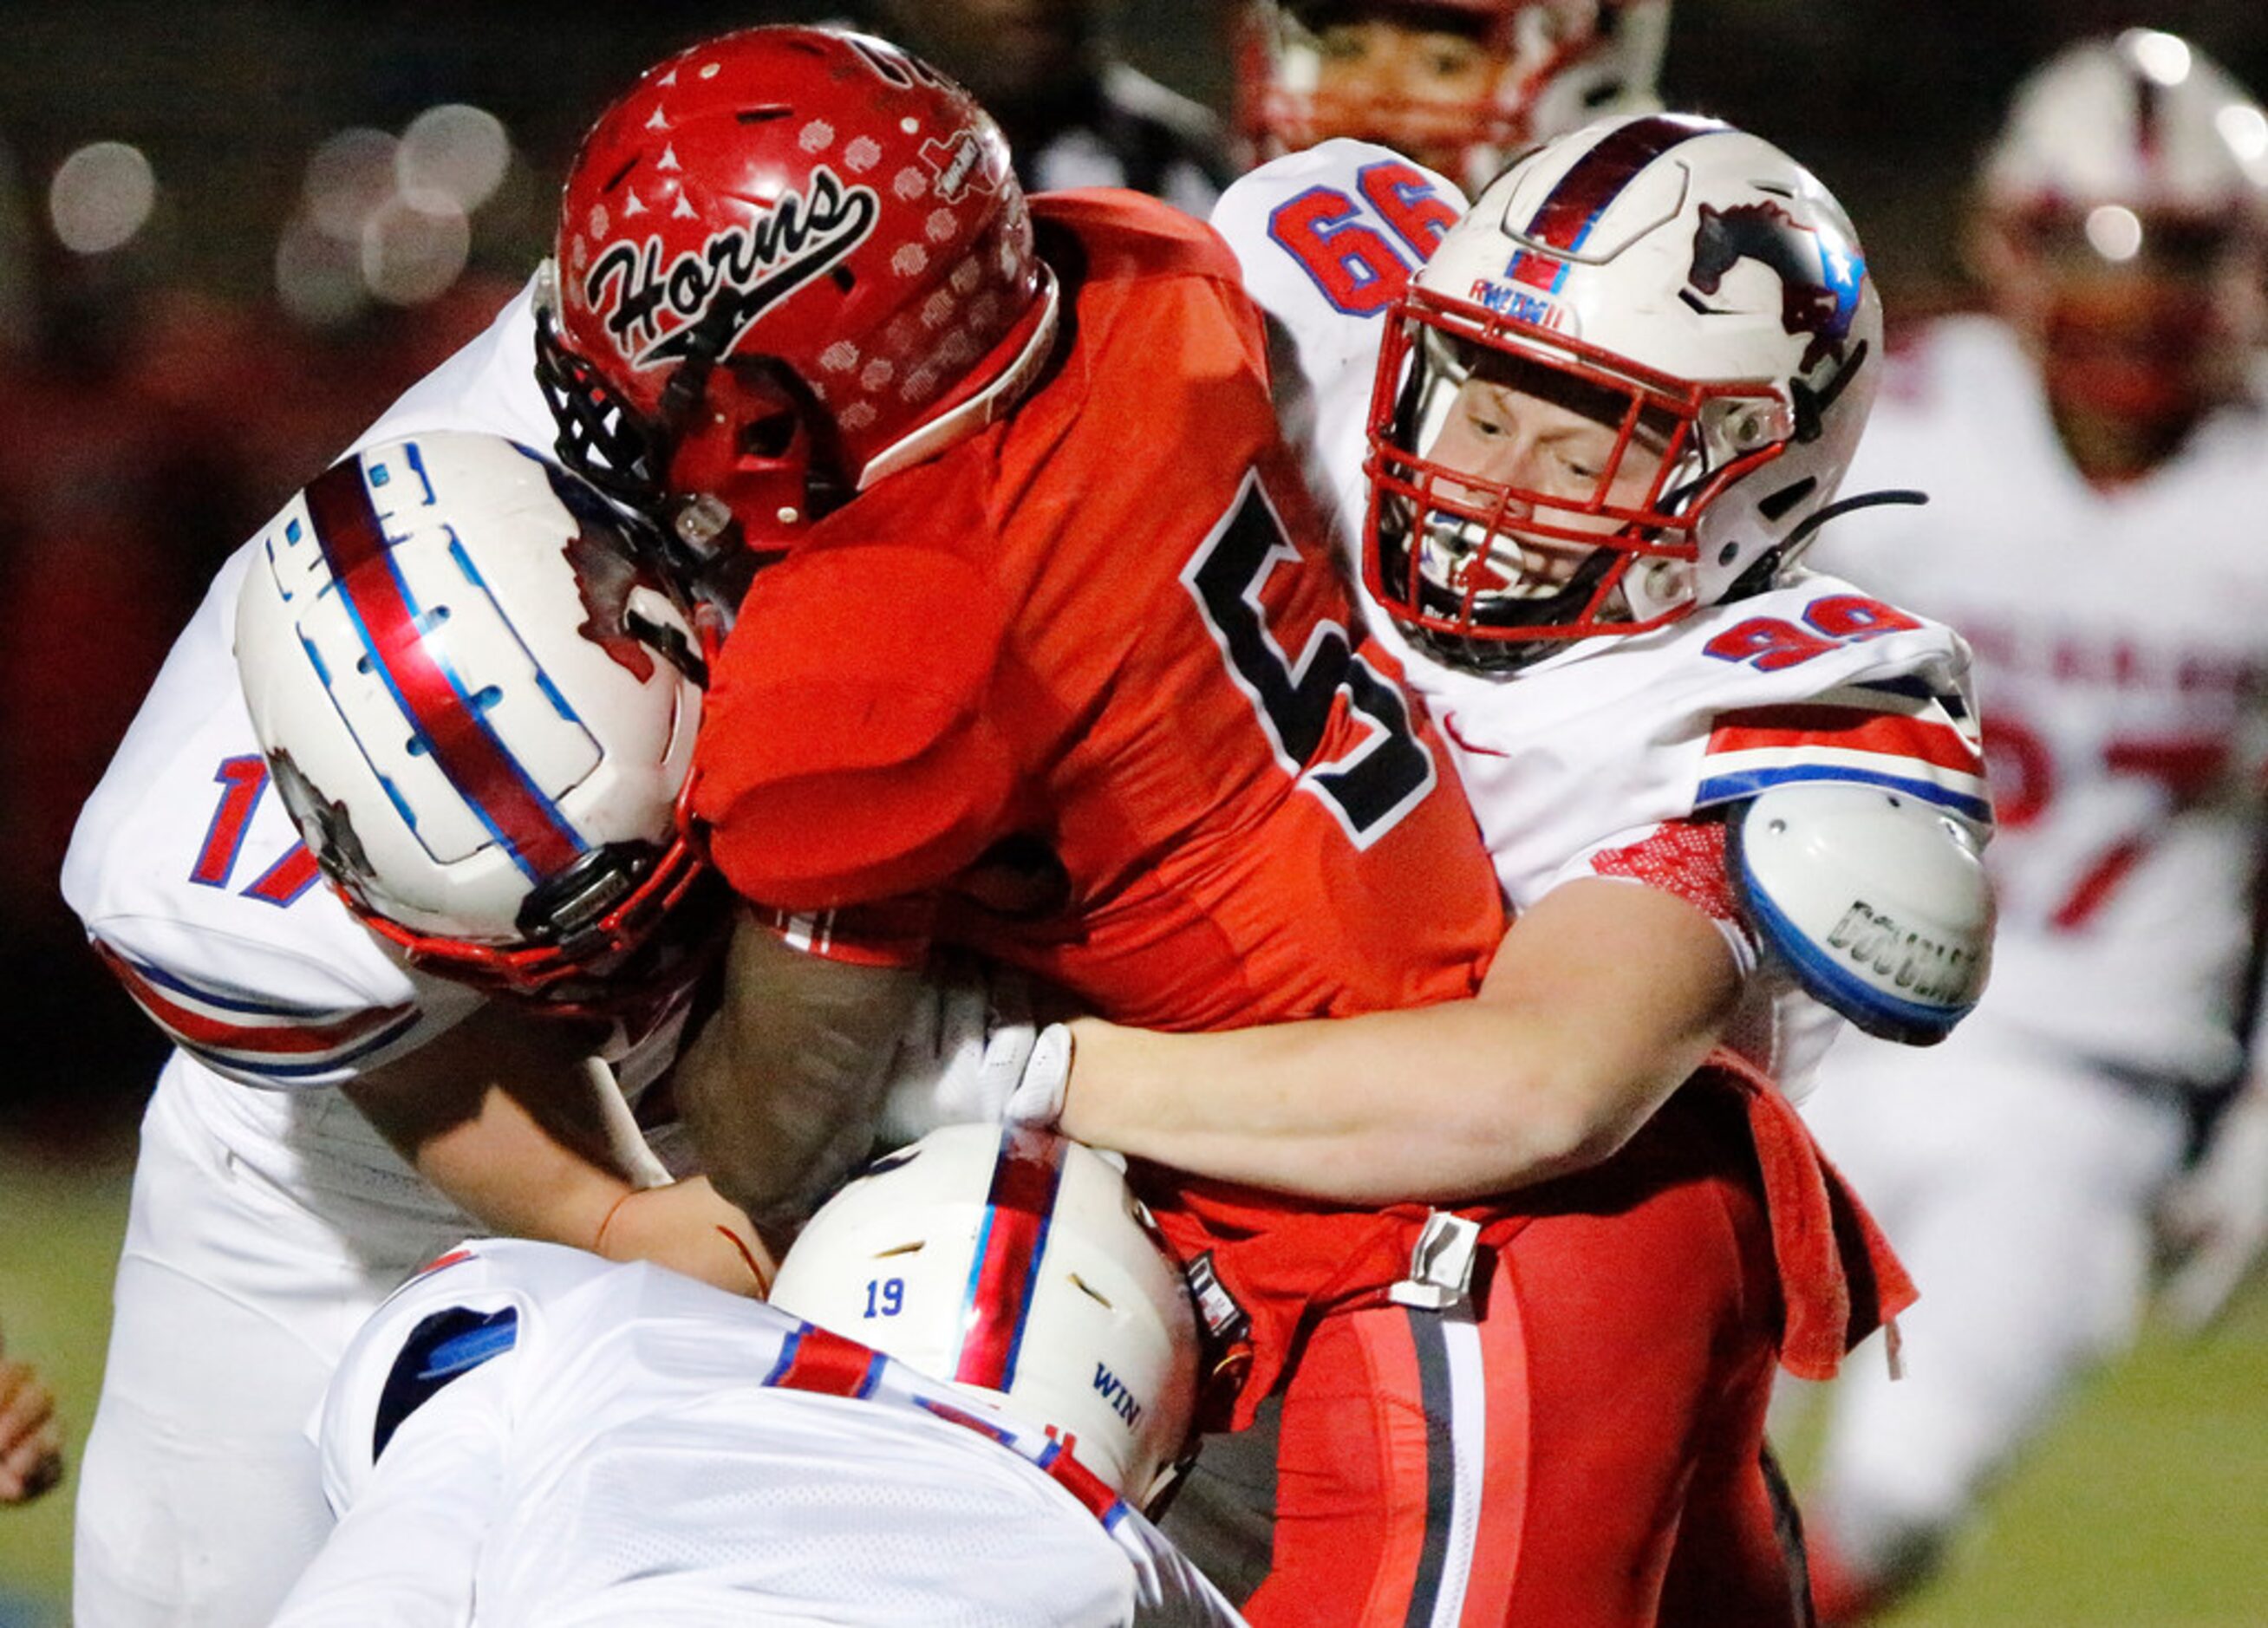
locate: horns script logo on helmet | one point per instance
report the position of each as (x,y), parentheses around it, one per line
(719,292)
(1819,284)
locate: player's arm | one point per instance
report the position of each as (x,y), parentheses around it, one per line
(507,1114)
(1602,1000)
(406,1551)
(850,763)
(31,1440)
(781,1086)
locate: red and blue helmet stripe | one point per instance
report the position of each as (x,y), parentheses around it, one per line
(1011,1244)
(450,722)
(1564,220)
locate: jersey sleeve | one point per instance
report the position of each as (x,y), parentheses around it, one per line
(489,385)
(1683,858)
(415,1431)
(1811,682)
(1327,238)
(192,882)
(1906,725)
(849,754)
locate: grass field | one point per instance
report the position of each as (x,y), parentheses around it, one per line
(2146,1507)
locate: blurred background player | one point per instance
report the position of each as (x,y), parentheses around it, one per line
(2096,475)
(1460,85)
(31,1440)
(526,1433)
(1075,112)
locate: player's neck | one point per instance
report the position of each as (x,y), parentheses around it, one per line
(2112,449)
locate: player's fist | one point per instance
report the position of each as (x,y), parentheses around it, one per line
(689,1227)
(31,1441)
(974,1054)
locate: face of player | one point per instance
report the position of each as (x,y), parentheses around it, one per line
(1535,440)
(1411,86)
(2131,318)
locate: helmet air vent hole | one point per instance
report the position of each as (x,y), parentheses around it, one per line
(841,278)
(1776,505)
(1090,1292)
(914,1247)
(620,175)
(1727,554)
(768,437)
(760,115)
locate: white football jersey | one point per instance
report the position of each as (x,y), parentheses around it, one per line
(1576,764)
(185,867)
(190,877)
(527,1434)
(2121,638)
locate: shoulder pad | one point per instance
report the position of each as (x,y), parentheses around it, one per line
(1876,902)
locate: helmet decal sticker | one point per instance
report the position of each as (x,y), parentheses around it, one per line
(1819,280)
(719,292)
(959,164)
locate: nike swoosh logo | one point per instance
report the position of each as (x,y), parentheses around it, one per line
(1449,726)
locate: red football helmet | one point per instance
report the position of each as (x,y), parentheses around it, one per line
(791,260)
(1462,85)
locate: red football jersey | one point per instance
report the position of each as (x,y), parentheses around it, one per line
(1106,638)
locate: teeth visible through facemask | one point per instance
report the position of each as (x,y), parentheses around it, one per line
(1454,555)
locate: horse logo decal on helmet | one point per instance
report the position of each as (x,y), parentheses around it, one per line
(1819,281)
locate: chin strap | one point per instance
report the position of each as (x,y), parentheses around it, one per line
(1819,517)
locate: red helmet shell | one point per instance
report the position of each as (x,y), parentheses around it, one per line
(816,203)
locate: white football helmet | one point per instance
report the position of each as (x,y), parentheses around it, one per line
(1016,1263)
(1684,283)
(479,704)
(2123,206)
(1558,64)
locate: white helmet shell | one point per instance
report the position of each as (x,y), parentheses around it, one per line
(2143,120)
(1017,1263)
(478,702)
(1699,275)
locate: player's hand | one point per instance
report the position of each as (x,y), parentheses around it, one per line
(974,1055)
(689,1227)
(2216,1215)
(31,1440)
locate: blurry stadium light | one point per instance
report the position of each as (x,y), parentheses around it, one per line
(318,277)
(414,246)
(454,149)
(2245,128)
(101,195)
(2161,56)
(2115,231)
(349,177)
